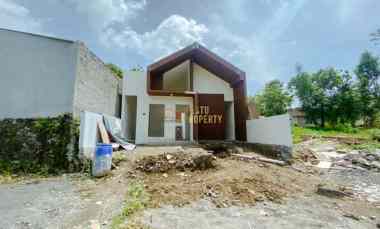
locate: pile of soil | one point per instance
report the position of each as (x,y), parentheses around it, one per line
(245,191)
(181,178)
(179,161)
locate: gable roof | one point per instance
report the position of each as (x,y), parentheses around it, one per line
(203,57)
(198,54)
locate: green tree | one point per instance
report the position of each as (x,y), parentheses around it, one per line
(318,94)
(301,86)
(116,70)
(273,100)
(326,83)
(368,74)
(137,68)
(347,100)
(375,37)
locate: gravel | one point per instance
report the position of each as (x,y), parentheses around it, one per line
(303,212)
(44,204)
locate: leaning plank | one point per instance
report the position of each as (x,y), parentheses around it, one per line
(262,159)
(103,133)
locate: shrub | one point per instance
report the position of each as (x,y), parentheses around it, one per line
(346,128)
(42,145)
(376,121)
(375,134)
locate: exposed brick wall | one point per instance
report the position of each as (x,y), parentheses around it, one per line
(96,88)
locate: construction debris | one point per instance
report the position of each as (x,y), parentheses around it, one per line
(180,177)
(176,161)
(113,126)
(333,191)
(262,159)
(103,133)
(222,150)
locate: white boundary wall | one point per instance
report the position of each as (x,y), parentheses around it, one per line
(274,130)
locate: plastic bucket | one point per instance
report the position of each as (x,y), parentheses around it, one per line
(102,162)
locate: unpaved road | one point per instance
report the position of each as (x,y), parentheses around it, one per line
(45,204)
(61,202)
(303,212)
(72,202)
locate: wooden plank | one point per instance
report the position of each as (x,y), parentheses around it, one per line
(262,159)
(103,133)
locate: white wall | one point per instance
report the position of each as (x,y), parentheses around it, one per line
(135,85)
(169,126)
(275,130)
(37,75)
(208,83)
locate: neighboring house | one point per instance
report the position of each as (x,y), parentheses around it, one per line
(43,76)
(190,95)
(297,116)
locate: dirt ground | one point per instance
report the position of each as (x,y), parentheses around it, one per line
(231,182)
(225,193)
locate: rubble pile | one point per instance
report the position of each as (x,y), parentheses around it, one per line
(327,155)
(176,161)
(360,159)
(222,150)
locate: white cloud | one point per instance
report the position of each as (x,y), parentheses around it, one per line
(173,33)
(17,17)
(282,17)
(102,13)
(248,53)
(254,53)
(350,10)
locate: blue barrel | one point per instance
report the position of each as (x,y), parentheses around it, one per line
(102,161)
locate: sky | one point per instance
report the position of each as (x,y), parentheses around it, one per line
(264,38)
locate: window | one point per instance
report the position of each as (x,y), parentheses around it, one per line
(156,120)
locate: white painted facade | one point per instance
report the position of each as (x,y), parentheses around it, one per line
(208,83)
(274,130)
(135,84)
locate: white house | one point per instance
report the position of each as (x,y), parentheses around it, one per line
(190,95)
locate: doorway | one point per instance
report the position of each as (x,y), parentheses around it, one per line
(130,108)
(182,122)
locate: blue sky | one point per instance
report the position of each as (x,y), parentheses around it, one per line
(265,38)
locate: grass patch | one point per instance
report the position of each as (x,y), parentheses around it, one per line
(369,146)
(136,200)
(300,132)
(369,136)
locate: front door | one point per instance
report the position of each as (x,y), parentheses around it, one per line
(209,117)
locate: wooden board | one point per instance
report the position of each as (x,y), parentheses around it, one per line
(103,133)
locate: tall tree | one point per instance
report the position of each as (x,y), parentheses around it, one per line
(273,100)
(347,100)
(368,73)
(317,93)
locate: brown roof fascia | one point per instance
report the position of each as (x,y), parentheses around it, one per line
(191,52)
